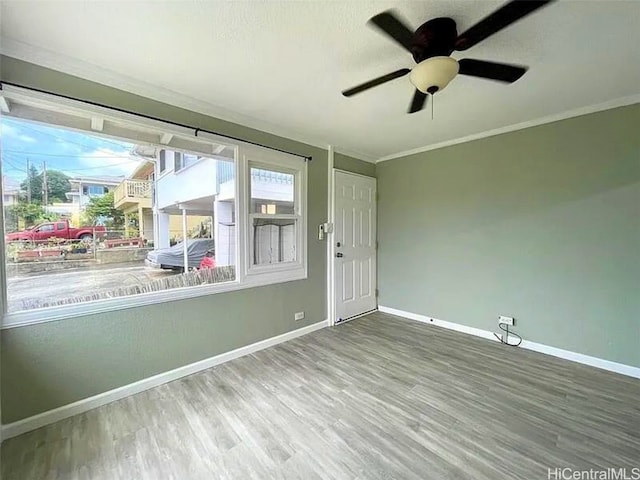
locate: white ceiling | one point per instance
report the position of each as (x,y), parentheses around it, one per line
(280,66)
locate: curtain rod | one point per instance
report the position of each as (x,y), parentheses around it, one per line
(149,117)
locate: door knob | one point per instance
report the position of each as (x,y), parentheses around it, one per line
(339,255)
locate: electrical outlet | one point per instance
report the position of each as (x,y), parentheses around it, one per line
(502,320)
(299,316)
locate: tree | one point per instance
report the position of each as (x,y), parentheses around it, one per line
(57,185)
(31,213)
(101,210)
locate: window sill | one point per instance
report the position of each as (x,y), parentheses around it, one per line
(33,317)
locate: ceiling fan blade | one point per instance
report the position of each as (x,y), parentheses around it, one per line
(389,24)
(491,70)
(376,81)
(418,102)
(506,15)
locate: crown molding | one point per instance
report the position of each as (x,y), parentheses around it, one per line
(616,103)
(103,76)
(355,154)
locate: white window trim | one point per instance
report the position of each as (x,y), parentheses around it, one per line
(36,316)
(166,171)
(200,158)
(273,274)
(287,164)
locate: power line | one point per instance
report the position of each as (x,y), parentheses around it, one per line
(67,170)
(67,155)
(91,168)
(15,167)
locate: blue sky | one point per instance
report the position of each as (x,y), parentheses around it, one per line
(75,154)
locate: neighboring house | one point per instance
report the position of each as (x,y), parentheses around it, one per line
(205,187)
(161,189)
(135,195)
(186,183)
(11,196)
(85,188)
(10,191)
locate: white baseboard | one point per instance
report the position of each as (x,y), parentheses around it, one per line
(86,404)
(536,347)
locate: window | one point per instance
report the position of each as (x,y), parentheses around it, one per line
(93,190)
(276,223)
(273,216)
(184,160)
(47,227)
(217,217)
(162,161)
(274,241)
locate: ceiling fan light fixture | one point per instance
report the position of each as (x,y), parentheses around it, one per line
(434,74)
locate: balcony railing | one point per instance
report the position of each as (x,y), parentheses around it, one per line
(132,190)
(260,175)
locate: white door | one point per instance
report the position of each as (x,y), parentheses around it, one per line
(354,245)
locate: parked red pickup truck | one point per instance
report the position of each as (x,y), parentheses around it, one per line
(57,229)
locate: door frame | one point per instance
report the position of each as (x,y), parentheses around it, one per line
(331,302)
(331,248)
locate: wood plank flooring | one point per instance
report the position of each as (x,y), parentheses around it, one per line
(376,398)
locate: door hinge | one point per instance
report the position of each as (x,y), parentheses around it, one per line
(377,292)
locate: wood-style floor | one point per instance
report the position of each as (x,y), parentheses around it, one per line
(378,397)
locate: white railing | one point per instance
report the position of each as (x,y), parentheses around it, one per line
(132,189)
(271,176)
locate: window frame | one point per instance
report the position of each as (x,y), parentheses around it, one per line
(162,162)
(40,228)
(181,161)
(104,190)
(254,268)
(269,160)
(246,277)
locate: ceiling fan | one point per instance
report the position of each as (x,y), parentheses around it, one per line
(433,42)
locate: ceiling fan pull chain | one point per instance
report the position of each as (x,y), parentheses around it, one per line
(432,100)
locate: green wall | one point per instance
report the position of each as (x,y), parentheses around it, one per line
(542,224)
(350,164)
(48,365)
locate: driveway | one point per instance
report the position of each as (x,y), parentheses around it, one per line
(69,283)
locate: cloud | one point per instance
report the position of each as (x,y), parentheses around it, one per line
(9,131)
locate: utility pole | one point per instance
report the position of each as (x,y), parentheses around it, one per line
(28,181)
(45,187)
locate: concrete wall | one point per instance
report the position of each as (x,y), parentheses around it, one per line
(121,254)
(542,224)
